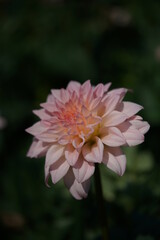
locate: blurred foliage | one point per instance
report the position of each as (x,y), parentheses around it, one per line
(43,45)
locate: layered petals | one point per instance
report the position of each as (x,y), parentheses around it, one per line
(78,190)
(132,136)
(83,170)
(112,137)
(140,125)
(93,152)
(71,154)
(59,169)
(115,160)
(81,126)
(54,153)
(37,128)
(114,119)
(37,149)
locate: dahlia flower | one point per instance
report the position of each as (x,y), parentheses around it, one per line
(81,126)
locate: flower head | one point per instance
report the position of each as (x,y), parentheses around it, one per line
(83,125)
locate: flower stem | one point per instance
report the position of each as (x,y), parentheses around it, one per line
(100,201)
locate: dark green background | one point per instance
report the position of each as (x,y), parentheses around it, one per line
(43,45)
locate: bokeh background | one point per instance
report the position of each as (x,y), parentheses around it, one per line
(43,45)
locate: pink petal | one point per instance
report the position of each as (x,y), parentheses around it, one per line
(37,149)
(93,120)
(136,117)
(93,152)
(107,105)
(78,142)
(78,190)
(65,95)
(115,160)
(51,107)
(48,136)
(112,137)
(132,135)
(88,97)
(64,140)
(37,128)
(86,91)
(42,114)
(114,118)
(83,170)
(142,126)
(50,98)
(94,103)
(56,93)
(129,108)
(54,153)
(71,154)
(86,86)
(74,86)
(59,169)
(107,86)
(85,111)
(99,90)
(119,91)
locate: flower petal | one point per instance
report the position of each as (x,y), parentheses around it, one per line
(107,105)
(50,98)
(78,190)
(71,154)
(42,114)
(107,86)
(48,136)
(113,119)
(94,103)
(93,152)
(93,121)
(37,149)
(78,142)
(119,91)
(37,128)
(83,170)
(85,89)
(56,93)
(54,153)
(132,135)
(142,126)
(129,108)
(115,160)
(74,86)
(49,106)
(99,90)
(59,169)
(112,137)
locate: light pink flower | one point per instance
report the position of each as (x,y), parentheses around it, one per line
(83,125)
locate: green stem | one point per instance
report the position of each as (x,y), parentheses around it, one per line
(100,201)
